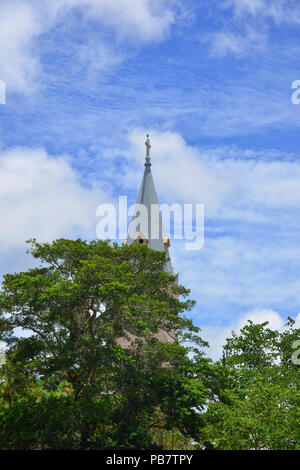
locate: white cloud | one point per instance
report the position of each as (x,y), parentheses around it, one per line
(229,181)
(248,28)
(217,335)
(18,61)
(244,268)
(232,42)
(261,315)
(43,198)
(258,184)
(275,183)
(297,321)
(252,7)
(145,20)
(280,11)
(99,57)
(180,173)
(227,42)
(22,23)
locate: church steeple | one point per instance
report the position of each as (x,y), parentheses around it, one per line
(150,230)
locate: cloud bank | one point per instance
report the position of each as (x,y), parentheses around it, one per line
(22,25)
(42,197)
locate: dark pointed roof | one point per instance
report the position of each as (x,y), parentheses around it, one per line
(148,197)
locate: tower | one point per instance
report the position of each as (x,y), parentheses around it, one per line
(148,229)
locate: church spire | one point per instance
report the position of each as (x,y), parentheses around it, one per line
(150,227)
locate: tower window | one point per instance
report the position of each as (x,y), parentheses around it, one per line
(142,239)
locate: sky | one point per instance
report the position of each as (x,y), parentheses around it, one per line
(211,81)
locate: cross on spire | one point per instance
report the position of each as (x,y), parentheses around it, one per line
(148,147)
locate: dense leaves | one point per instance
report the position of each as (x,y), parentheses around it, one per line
(70,384)
(258,405)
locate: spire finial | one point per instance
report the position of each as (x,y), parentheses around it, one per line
(148,147)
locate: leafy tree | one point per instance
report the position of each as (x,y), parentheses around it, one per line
(258,405)
(78,388)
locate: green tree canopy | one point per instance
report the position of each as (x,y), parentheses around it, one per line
(69,384)
(258,401)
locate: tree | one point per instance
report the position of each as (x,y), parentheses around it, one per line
(258,405)
(80,389)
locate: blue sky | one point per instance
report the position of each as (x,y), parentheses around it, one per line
(211,81)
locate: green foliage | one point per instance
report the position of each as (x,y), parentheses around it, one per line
(258,405)
(70,385)
(265,416)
